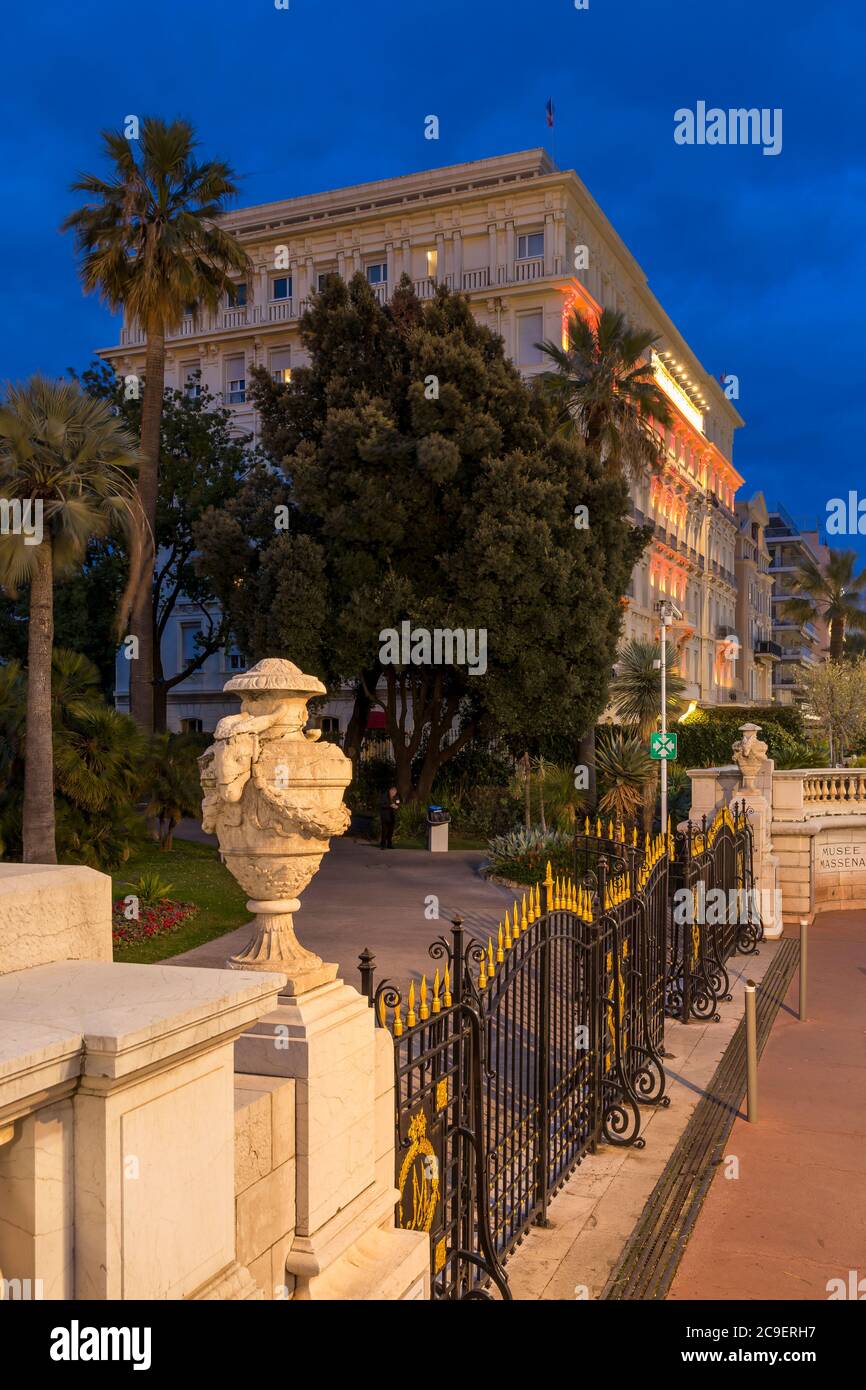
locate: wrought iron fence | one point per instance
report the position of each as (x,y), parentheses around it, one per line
(714,912)
(525,1052)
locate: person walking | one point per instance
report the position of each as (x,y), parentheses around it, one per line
(388,814)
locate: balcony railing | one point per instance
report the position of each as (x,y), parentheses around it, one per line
(227,320)
(767,648)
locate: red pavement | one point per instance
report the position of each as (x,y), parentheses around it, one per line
(796,1216)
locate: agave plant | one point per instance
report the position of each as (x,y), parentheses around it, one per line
(150,889)
(625,769)
(522,854)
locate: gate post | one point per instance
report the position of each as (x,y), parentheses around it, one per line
(542,1081)
(750,755)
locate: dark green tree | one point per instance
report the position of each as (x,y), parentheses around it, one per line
(202,463)
(426,484)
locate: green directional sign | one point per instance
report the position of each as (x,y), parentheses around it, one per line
(663,747)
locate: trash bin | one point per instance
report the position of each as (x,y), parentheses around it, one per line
(437,829)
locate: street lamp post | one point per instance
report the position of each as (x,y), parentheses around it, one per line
(667,612)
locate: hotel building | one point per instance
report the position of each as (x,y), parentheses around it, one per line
(527,244)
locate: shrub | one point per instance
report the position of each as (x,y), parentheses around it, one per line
(522,855)
(708,736)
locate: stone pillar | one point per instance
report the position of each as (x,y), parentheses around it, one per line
(750,755)
(345,1244)
(273,794)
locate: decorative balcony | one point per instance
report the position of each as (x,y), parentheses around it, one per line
(767,650)
(247,316)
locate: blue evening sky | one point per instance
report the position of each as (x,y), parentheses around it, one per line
(758,260)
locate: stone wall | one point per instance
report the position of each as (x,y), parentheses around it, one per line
(265,1179)
(817,831)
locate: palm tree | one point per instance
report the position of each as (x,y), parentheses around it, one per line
(66,455)
(830,593)
(636,689)
(172,780)
(636,693)
(150,245)
(606,388)
(625,770)
(606,391)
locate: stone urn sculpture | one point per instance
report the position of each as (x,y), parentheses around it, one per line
(273,795)
(750,755)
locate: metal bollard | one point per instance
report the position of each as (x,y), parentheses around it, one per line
(751,1053)
(804,929)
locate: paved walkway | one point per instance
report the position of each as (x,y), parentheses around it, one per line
(364,896)
(796,1216)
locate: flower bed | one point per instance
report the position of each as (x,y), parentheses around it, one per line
(157,919)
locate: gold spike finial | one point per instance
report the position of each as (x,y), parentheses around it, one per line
(500,954)
(411,1019)
(398,1022)
(437,985)
(447,991)
(525,920)
(424,1011)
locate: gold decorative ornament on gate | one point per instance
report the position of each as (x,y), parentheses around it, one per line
(421,1162)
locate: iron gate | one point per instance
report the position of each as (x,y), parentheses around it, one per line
(523,1054)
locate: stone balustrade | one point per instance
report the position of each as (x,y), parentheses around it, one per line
(817,830)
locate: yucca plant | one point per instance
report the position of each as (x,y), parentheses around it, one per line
(625,769)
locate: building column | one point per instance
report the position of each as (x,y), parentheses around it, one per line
(549,243)
(457,264)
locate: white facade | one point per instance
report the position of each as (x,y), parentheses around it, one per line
(508,232)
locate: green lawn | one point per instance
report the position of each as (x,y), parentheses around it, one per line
(196,876)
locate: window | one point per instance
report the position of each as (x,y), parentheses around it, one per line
(191,726)
(191,377)
(323,278)
(188,311)
(236,380)
(235,659)
(530,330)
(240,295)
(377,274)
(530,245)
(190,648)
(281,365)
(432,264)
(281,288)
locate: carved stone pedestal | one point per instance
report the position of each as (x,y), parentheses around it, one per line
(345,1244)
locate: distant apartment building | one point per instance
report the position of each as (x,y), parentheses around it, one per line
(759,651)
(507,232)
(801,645)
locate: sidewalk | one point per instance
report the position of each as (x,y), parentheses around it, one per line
(796,1215)
(594,1215)
(363,896)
